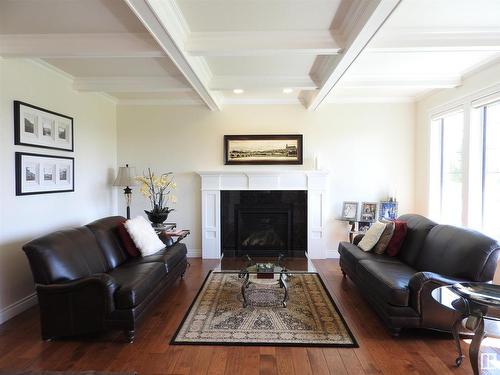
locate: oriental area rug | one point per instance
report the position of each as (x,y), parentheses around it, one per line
(217,315)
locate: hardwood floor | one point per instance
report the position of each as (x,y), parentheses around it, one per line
(415,352)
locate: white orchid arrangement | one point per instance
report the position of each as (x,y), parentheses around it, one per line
(158,189)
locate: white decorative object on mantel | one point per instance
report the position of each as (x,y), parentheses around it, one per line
(315,182)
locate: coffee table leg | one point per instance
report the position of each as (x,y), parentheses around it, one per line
(284,285)
(475,347)
(244,286)
(456,335)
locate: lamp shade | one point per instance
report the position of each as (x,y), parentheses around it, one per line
(126,177)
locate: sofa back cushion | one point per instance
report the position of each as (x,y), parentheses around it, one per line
(460,253)
(106,233)
(418,227)
(65,255)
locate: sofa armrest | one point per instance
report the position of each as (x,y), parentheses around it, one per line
(77,306)
(357,238)
(423,283)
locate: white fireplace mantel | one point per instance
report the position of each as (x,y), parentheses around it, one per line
(212,182)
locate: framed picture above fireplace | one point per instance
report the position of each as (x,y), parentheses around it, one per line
(263,149)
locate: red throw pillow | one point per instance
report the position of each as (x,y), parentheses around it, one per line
(400,228)
(127,241)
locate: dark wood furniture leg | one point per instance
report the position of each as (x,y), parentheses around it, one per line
(456,336)
(475,346)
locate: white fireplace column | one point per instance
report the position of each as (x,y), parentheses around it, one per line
(315,182)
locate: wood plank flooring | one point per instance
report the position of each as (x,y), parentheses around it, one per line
(415,352)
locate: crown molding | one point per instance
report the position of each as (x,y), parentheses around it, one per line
(406,81)
(370,99)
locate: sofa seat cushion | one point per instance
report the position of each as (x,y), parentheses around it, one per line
(388,280)
(352,254)
(135,282)
(170,256)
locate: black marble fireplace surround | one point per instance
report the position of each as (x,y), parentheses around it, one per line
(264,222)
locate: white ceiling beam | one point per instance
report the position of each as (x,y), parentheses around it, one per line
(165,23)
(79,45)
(364,19)
(400,82)
(436,40)
(224,83)
(129,84)
(262,43)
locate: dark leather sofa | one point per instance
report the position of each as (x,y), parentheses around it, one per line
(399,288)
(87,283)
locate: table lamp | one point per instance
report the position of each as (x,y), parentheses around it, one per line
(126,178)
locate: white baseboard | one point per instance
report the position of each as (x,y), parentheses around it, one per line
(194,253)
(18,307)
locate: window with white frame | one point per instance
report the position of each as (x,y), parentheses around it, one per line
(490,121)
(465,165)
(448,134)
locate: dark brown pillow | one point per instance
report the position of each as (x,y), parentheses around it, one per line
(400,229)
(127,241)
(385,238)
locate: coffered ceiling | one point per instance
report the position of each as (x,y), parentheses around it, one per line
(221,52)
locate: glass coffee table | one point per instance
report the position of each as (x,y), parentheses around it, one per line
(265,272)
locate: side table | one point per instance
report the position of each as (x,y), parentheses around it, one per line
(478,305)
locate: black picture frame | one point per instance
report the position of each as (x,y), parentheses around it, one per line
(18,133)
(231,160)
(18,170)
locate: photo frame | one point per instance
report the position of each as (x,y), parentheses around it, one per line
(388,210)
(43,174)
(350,210)
(263,149)
(368,211)
(38,127)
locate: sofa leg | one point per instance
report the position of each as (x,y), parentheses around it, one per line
(344,275)
(395,332)
(130,335)
(182,275)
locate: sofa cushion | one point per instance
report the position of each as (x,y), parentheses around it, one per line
(127,242)
(417,229)
(352,254)
(135,282)
(396,241)
(467,254)
(105,231)
(170,256)
(385,238)
(144,236)
(388,280)
(372,236)
(64,256)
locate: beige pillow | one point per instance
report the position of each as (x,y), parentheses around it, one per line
(372,236)
(386,236)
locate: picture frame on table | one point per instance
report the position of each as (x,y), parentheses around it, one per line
(263,149)
(44,174)
(350,210)
(368,211)
(39,127)
(388,210)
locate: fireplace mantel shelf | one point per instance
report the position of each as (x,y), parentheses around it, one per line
(314,181)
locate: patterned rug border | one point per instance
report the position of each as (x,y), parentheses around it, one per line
(207,343)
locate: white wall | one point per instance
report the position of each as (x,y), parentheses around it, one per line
(482,80)
(23,218)
(368,149)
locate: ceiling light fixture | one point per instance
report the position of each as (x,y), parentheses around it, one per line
(287,91)
(238,91)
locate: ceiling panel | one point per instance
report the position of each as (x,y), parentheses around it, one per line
(117,67)
(446,13)
(258,15)
(67,16)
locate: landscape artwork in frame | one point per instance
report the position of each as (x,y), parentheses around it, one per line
(350,210)
(368,211)
(388,210)
(42,174)
(39,127)
(263,149)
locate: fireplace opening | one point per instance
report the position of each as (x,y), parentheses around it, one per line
(264,223)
